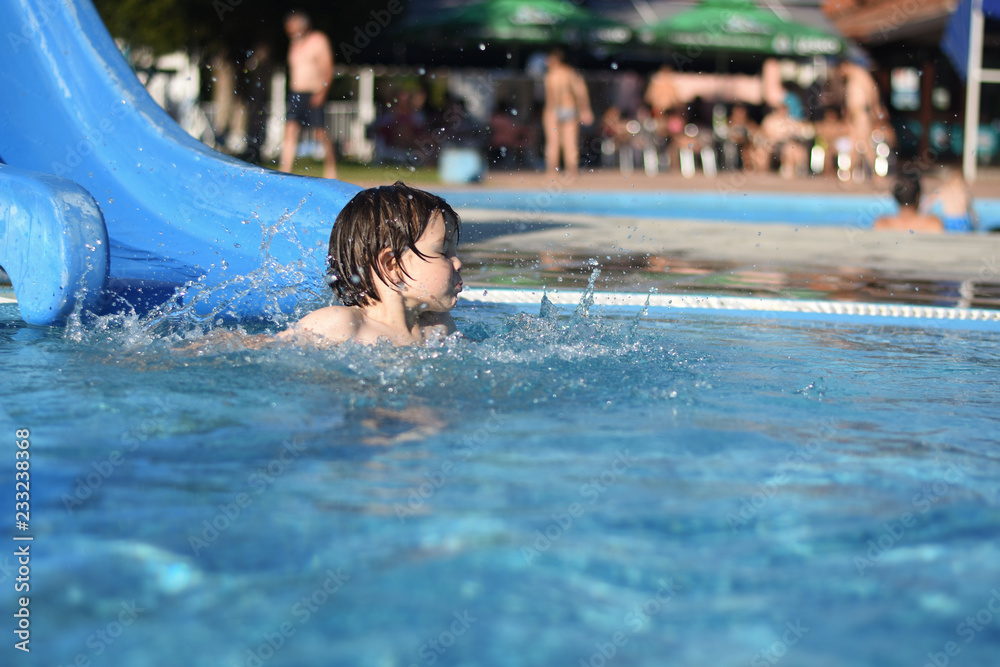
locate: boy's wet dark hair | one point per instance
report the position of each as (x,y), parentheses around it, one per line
(389,216)
(906,190)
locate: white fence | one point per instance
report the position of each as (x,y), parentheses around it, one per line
(346,125)
(176,84)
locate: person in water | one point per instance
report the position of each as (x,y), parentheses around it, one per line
(393,264)
(906,191)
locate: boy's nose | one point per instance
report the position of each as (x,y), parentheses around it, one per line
(457,263)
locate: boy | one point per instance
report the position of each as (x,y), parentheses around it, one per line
(906,191)
(393,264)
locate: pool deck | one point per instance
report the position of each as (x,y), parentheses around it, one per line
(738,245)
(987,183)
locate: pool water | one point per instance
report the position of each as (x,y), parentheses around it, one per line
(577,488)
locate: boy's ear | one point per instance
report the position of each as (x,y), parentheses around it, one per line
(388,265)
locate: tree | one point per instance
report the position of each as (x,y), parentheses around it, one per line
(236,25)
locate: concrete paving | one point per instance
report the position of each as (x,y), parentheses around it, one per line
(777,247)
(769,247)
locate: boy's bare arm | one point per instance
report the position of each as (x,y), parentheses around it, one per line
(324,55)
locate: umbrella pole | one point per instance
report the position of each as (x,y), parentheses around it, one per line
(972,96)
(976,76)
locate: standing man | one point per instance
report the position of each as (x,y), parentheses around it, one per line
(567,105)
(661,94)
(310,72)
(863,110)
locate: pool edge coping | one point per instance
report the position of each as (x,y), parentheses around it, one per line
(742,305)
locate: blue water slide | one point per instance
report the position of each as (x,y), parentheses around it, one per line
(85,143)
(45,216)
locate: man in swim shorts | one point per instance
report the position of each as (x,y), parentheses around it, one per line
(567,105)
(310,72)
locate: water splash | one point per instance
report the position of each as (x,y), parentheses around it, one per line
(637,320)
(546,309)
(287,291)
(509,358)
(587,300)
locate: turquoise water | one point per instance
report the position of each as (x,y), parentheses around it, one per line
(667,489)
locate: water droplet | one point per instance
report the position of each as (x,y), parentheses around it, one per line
(614,66)
(482,47)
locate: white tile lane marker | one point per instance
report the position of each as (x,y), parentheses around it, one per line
(572,297)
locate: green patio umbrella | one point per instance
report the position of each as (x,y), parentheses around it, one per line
(521,21)
(739,25)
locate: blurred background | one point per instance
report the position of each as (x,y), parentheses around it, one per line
(416,79)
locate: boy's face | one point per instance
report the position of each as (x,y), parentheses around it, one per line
(434,283)
(296,27)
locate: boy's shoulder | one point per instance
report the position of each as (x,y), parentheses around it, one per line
(333,323)
(915,223)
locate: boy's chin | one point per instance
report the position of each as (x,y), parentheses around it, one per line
(439,308)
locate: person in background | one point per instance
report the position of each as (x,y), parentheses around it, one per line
(226,104)
(781,135)
(254,86)
(510,141)
(628,90)
(906,191)
(401,131)
(310,73)
(833,137)
(793,102)
(567,105)
(863,110)
(951,202)
(738,137)
(661,94)
(613,134)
